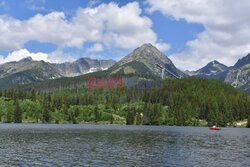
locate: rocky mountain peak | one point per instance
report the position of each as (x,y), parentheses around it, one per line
(26,59)
(215,62)
(213,67)
(148,50)
(243,61)
(149,55)
(147,46)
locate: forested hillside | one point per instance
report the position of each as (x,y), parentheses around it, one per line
(182,102)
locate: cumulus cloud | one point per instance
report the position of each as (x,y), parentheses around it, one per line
(97,47)
(96,56)
(23,53)
(57,56)
(94,2)
(162,46)
(106,25)
(227,29)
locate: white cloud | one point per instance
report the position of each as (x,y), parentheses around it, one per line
(96,56)
(23,53)
(115,26)
(227,29)
(94,2)
(1,59)
(162,46)
(39,8)
(106,25)
(57,56)
(97,47)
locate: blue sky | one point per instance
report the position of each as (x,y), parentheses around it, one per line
(63,30)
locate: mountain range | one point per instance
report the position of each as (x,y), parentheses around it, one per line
(83,66)
(27,70)
(145,60)
(213,69)
(237,75)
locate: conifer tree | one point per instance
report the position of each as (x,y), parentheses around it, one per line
(17,113)
(33,94)
(130,118)
(248,122)
(138,119)
(96,113)
(45,114)
(77,112)
(111,118)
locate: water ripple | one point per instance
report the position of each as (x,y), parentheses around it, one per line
(115,145)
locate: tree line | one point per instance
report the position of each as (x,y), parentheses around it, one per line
(182,102)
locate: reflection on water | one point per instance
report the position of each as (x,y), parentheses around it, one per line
(117,145)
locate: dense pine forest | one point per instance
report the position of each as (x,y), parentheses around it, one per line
(185,102)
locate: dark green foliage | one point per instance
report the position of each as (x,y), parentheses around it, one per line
(33,94)
(27,76)
(111,118)
(130,119)
(76,112)
(138,119)
(46,110)
(137,68)
(180,102)
(17,113)
(98,114)
(8,117)
(248,122)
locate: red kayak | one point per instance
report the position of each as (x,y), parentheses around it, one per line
(217,128)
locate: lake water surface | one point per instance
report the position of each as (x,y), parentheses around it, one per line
(120,145)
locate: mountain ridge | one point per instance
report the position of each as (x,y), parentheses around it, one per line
(213,68)
(82,66)
(149,55)
(243,61)
(142,61)
(237,75)
(28,70)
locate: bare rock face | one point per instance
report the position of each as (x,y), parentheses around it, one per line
(244,61)
(238,76)
(150,56)
(83,66)
(211,70)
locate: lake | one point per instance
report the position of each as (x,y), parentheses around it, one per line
(120,145)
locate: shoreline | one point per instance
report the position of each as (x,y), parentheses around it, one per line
(92,123)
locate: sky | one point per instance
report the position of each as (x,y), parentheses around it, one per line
(190,32)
